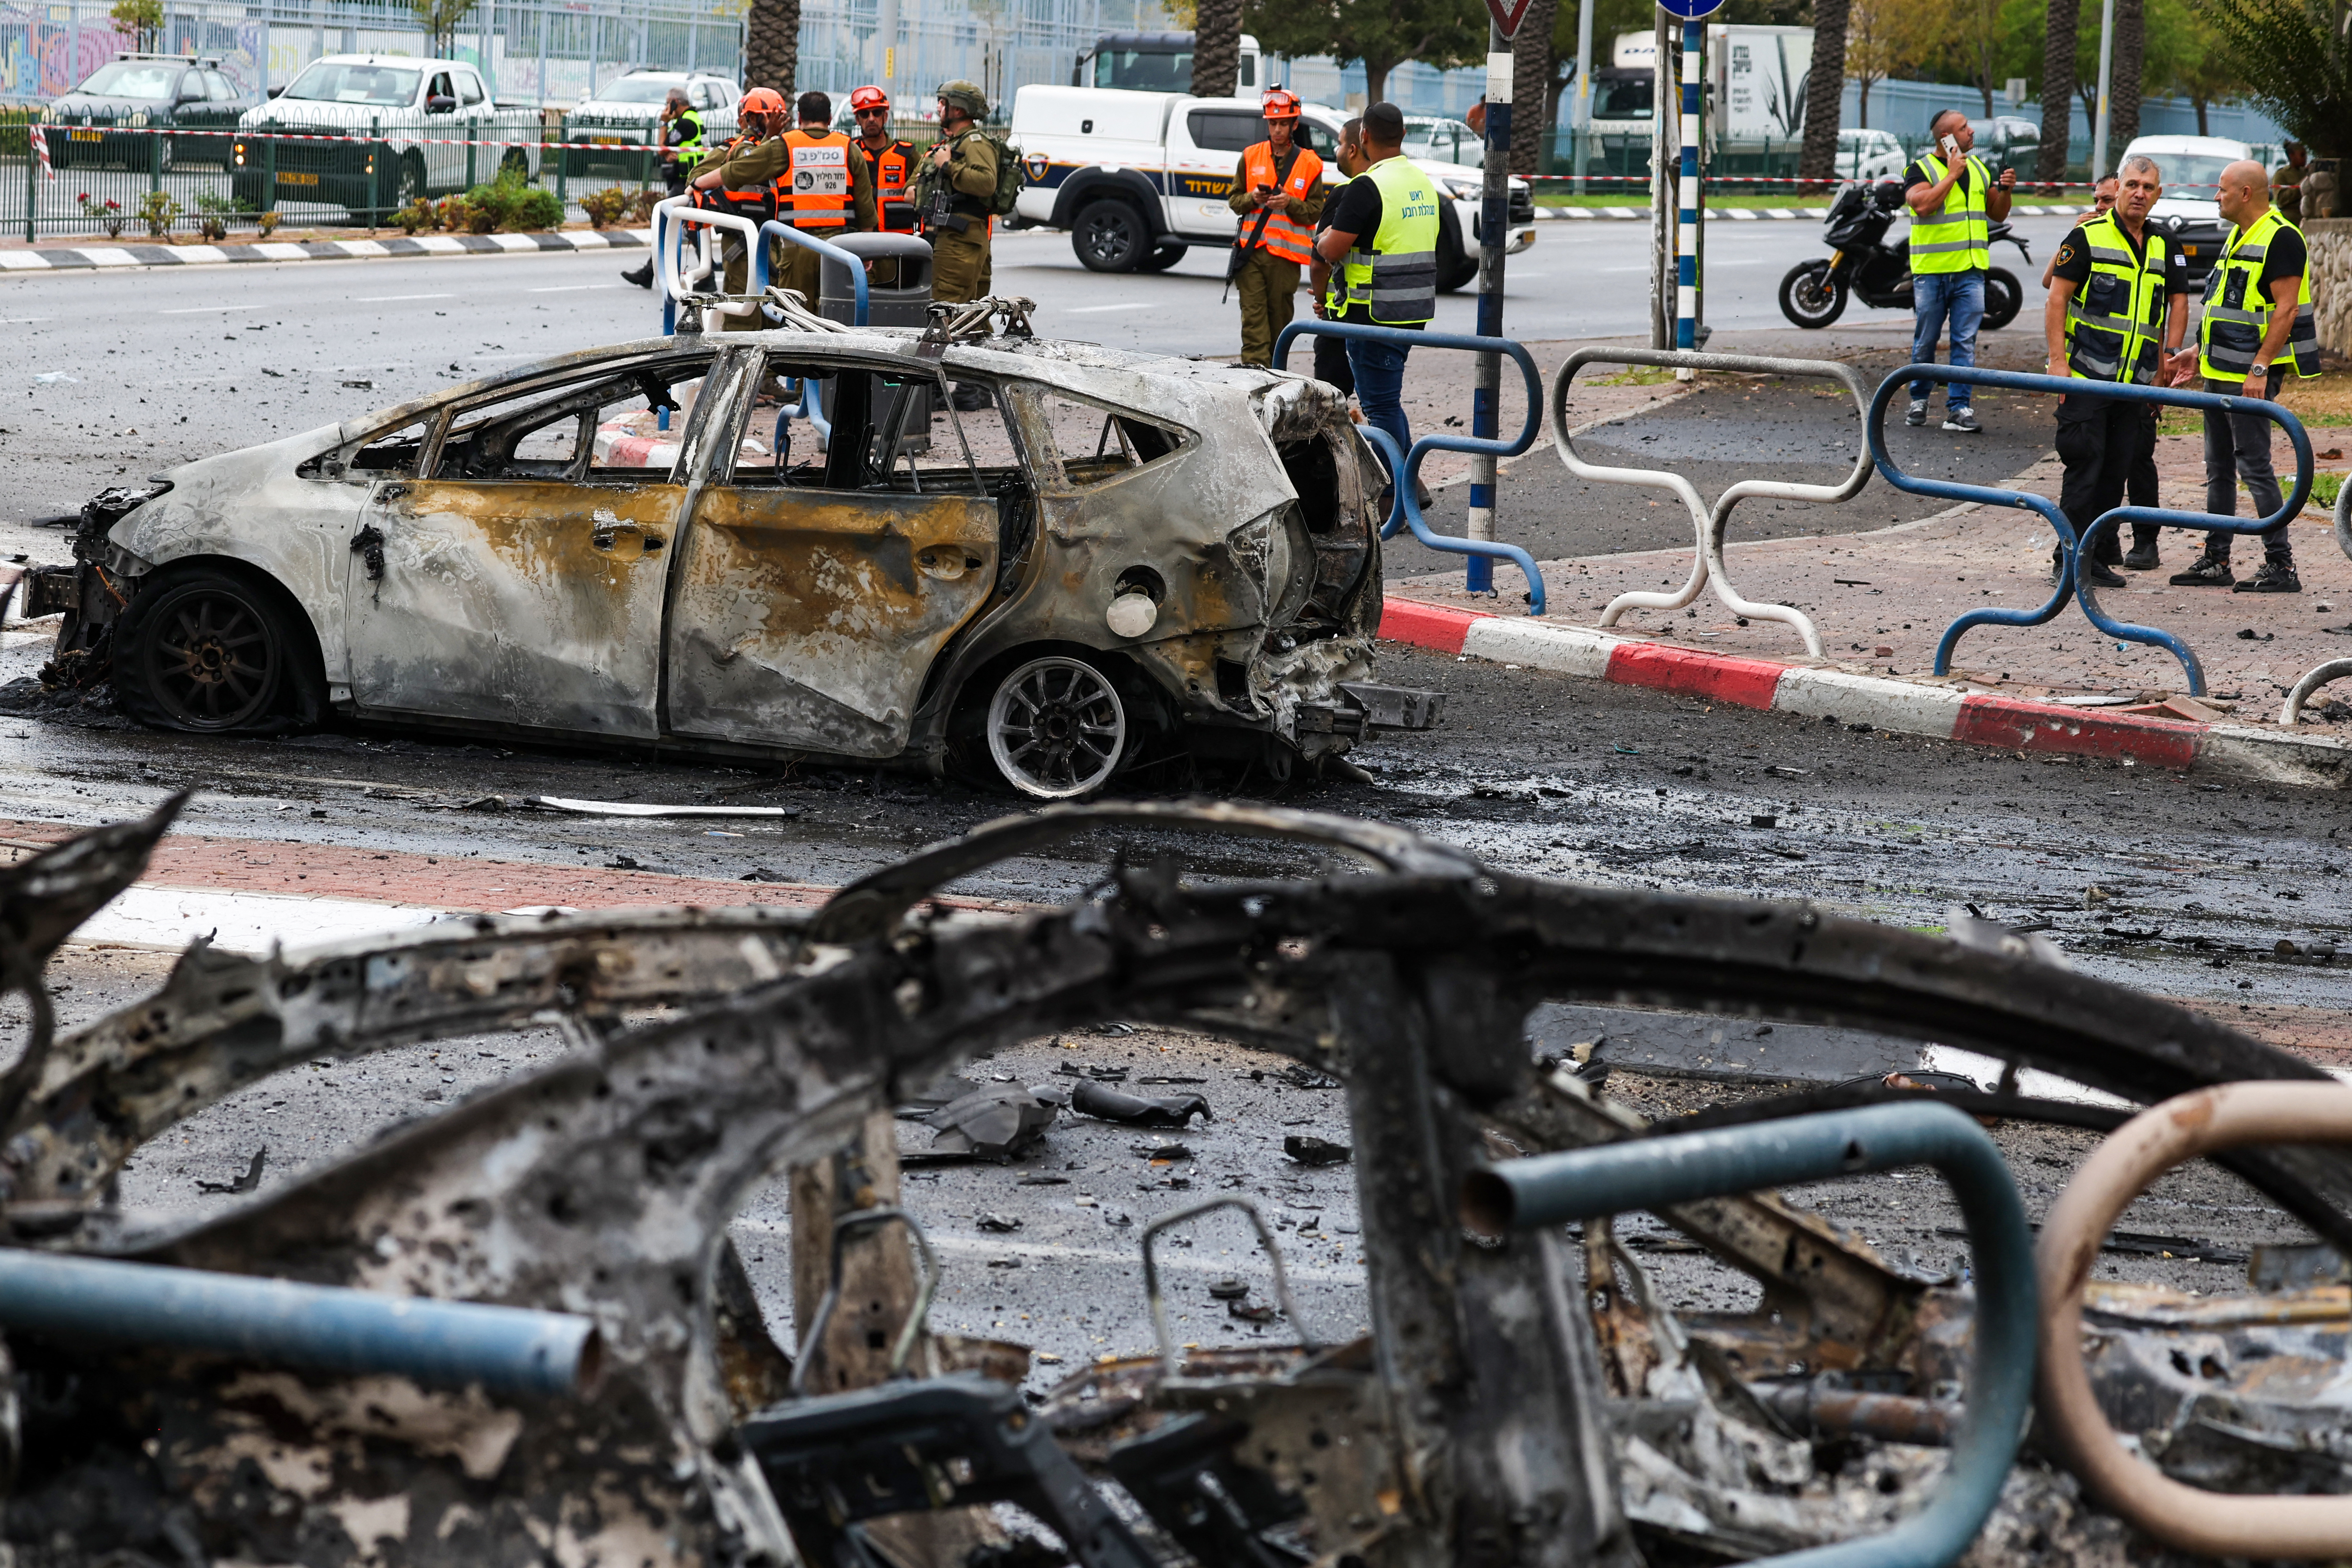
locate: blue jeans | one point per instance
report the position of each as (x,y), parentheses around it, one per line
(1934,296)
(1379,369)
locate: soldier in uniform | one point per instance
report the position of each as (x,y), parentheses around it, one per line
(825,190)
(741,178)
(1277,192)
(893,163)
(952,191)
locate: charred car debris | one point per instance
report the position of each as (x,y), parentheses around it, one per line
(586,1376)
(782,543)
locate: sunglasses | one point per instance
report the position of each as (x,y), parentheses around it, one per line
(873,114)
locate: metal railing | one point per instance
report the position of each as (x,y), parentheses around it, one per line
(1404,507)
(2070,548)
(2291,711)
(1657,1172)
(1710,523)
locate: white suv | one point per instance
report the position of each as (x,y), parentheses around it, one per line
(415,116)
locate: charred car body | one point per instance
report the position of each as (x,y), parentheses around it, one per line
(765,543)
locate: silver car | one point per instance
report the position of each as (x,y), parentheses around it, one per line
(780,543)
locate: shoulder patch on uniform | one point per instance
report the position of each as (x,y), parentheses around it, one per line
(2067,251)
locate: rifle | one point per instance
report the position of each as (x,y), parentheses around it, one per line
(1241,249)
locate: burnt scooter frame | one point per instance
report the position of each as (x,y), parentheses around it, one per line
(1879,274)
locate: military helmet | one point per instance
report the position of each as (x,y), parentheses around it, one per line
(966,96)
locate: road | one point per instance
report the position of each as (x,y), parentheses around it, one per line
(2195,883)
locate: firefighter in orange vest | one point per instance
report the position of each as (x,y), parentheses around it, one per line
(1279,193)
(893,163)
(825,189)
(741,178)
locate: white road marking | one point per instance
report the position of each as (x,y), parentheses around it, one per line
(575,287)
(200,309)
(383,298)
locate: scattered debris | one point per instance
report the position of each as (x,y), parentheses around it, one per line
(1309,1150)
(992,1123)
(1229,1289)
(988,1219)
(1091,1099)
(1162,1152)
(634,809)
(246,1183)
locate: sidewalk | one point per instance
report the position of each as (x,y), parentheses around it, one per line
(66,258)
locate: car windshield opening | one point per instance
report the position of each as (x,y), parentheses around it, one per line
(1144,72)
(1623,98)
(638,89)
(132,78)
(387,86)
(603,428)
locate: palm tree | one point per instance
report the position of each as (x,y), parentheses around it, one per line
(1216,47)
(1824,91)
(2058,88)
(772,45)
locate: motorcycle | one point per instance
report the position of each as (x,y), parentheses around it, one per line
(1815,292)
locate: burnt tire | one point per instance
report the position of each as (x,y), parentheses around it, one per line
(1811,296)
(1111,236)
(1057,727)
(2003,300)
(210,652)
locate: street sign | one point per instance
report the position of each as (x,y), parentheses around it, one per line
(1508,14)
(1688,10)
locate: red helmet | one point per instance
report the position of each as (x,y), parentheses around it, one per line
(868,98)
(761,100)
(1279,103)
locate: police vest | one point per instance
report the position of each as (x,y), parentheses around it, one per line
(757,203)
(2238,309)
(894,170)
(1396,279)
(814,190)
(1283,234)
(2115,322)
(1957,238)
(686,133)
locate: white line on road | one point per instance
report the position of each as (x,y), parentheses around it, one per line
(386,298)
(198,309)
(15,320)
(574,288)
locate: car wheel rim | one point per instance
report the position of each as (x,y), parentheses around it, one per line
(1056,728)
(213,661)
(1105,239)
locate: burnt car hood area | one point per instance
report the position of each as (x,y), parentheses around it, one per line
(782,543)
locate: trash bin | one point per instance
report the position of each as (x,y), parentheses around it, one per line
(901,304)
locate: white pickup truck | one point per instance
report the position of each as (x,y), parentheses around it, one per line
(1138,177)
(424,111)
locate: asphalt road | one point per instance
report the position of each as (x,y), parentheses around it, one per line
(1536,775)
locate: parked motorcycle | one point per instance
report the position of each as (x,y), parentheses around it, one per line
(1815,292)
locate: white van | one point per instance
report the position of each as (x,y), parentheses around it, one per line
(1140,177)
(2190,210)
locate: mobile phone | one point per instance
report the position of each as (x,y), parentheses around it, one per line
(1951,145)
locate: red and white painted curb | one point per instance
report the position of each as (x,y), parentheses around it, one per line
(1904,707)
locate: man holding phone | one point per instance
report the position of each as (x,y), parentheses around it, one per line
(1953,201)
(1279,193)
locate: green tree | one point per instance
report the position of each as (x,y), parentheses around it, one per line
(1380,34)
(441,19)
(2202,72)
(2296,61)
(144,19)
(1884,37)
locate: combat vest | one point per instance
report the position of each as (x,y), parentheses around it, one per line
(1959,237)
(2238,311)
(1396,279)
(894,172)
(757,203)
(2115,322)
(816,191)
(1283,234)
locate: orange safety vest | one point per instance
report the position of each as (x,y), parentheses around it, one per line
(893,168)
(1283,234)
(757,203)
(814,190)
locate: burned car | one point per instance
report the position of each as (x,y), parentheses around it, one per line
(780,543)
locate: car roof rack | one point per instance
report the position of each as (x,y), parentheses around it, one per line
(206,62)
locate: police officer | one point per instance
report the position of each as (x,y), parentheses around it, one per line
(1954,202)
(1383,238)
(1278,192)
(953,189)
(825,190)
(2118,304)
(741,178)
(679,133)
(2258,315)
(1327,288)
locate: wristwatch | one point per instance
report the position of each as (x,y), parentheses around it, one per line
(2258,369)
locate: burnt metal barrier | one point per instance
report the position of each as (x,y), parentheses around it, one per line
(2070,576)
(1404,468)
(1545,1190)
(1709,524)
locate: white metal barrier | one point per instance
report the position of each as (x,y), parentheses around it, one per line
(698,228)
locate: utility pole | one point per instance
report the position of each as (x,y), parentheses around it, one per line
(2107,65)
(1580,119)
(1494,228)
(1662,212)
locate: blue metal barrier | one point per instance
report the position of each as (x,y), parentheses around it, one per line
(1404,509)
(776,228)
(2070,577)
(811,408)
(507,1350)
(1652,1173)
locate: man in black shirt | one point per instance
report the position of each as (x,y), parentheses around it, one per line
(2101,440)
(1331,303)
